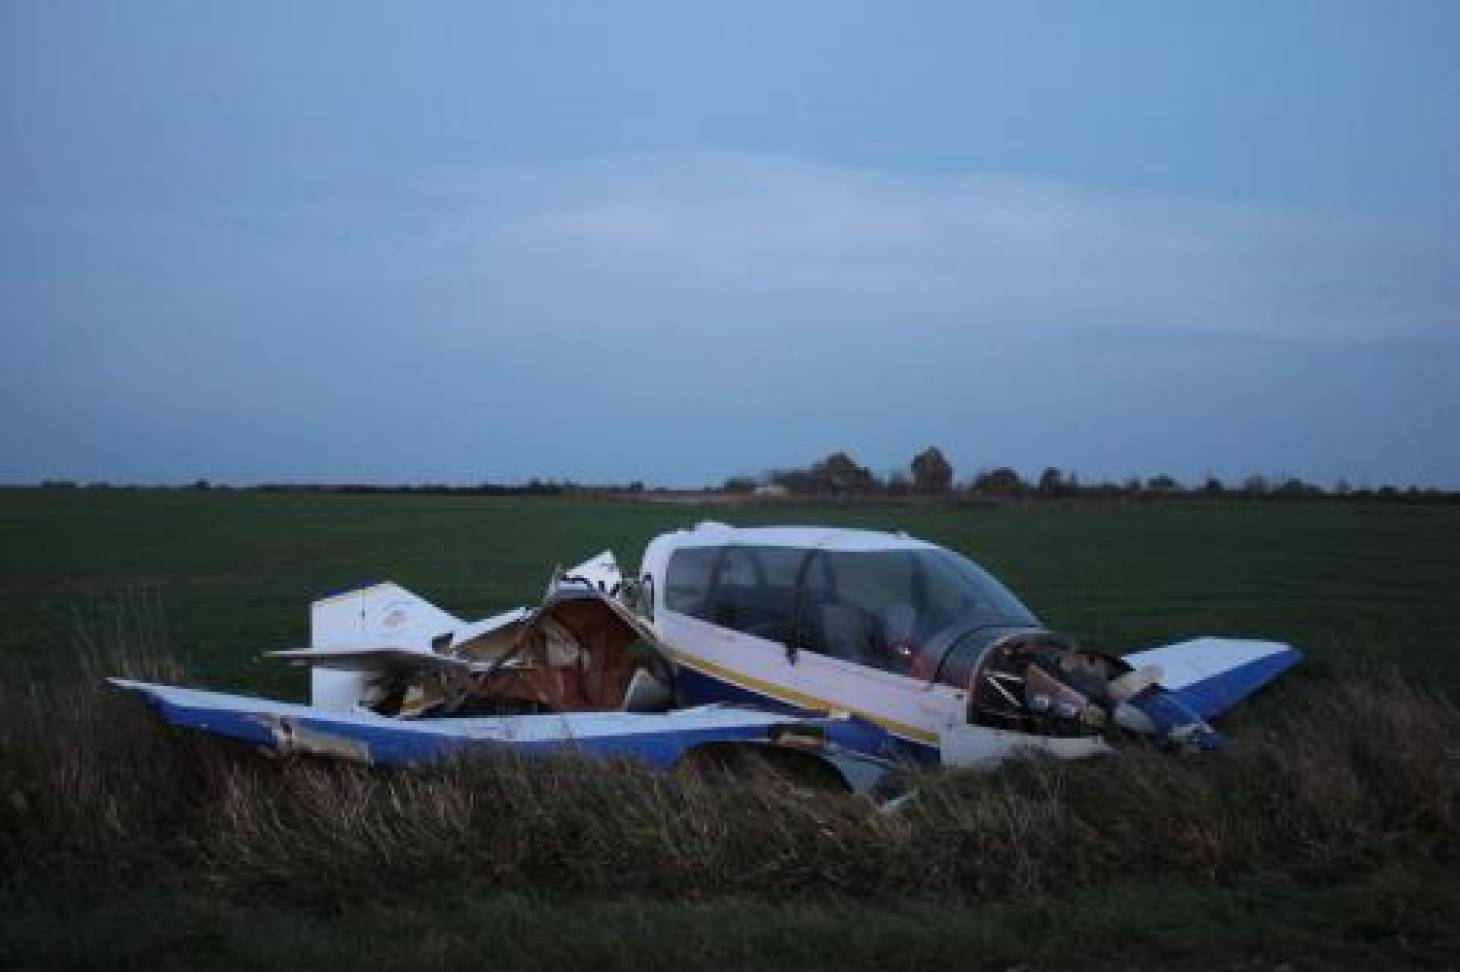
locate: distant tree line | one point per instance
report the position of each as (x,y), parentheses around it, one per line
(532,487)
(929,474)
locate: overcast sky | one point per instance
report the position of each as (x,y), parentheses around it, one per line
(674,242)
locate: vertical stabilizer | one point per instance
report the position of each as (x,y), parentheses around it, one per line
(385,615)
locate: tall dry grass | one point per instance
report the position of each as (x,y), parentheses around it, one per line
(1336,774)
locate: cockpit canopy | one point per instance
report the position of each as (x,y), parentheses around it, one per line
(872,607)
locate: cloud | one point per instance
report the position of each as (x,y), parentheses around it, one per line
(666,239)
(676,316)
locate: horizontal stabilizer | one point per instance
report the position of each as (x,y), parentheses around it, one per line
(376,629)
(1211,675)
(486,626)
(379,661)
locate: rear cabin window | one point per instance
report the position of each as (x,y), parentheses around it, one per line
(746,589)
(755,589)
(687,581)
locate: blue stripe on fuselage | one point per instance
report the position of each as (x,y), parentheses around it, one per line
(693,687)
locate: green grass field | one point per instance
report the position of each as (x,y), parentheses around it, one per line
(216,577)
(234,572)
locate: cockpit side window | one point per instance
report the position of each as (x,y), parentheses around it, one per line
(860,607)
(880,607)
(877,608)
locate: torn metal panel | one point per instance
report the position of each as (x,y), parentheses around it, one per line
(300,736)
(581,651)
(600,573)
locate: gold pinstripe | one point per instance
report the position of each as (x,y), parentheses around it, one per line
(795,697)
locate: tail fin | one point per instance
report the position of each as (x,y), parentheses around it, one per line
(384,614)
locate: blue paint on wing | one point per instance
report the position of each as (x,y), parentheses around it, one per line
(387,742)
(1218,693)
(391,746)
(1174,720)
(245,727)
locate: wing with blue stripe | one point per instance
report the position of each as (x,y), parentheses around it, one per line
(1211,675)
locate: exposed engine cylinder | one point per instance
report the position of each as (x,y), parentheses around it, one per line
(1040,682)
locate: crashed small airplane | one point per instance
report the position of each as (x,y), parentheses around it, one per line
(849,652)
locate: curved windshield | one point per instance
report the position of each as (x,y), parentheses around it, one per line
(879,607)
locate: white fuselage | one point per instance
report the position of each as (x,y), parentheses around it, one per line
(720,663)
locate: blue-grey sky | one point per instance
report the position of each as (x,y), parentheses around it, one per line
(674,241)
